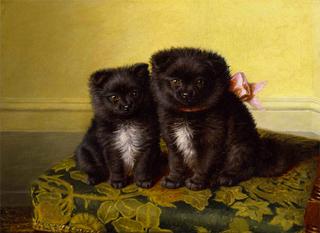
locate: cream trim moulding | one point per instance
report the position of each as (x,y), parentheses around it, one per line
(73,114)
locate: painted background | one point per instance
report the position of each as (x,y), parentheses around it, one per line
(50,47)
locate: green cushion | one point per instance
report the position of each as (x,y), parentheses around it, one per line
(63,202)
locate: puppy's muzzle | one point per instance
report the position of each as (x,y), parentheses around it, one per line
(187,96)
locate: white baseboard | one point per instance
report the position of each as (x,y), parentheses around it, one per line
(73,115)
(301,114)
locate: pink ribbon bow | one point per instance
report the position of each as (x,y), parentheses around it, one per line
(246,91)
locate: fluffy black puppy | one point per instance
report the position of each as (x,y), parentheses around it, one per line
(208,130)
(124,134)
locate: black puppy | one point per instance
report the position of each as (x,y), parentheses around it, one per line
(124,134)
(208,130)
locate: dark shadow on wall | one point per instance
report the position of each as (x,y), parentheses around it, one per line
(24,156)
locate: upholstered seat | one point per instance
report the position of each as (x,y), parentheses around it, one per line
(63,202)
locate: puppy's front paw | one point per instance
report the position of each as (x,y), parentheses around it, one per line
(118,184)
(94,179)
(226,180)
(171,184)
(146,184)
(193,185)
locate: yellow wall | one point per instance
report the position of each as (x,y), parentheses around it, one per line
(316,36)
(49,48)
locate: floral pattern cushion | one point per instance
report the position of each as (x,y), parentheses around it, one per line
(64,202)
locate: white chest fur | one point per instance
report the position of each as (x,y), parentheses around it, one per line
(128,140)
(183,135)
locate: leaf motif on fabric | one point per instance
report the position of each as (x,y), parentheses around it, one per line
(49,197)
(123,224)
(228,195)
(278,194)
(238,225)
(107,212)
(52,200)
(86,203)
(87,222)
(166,197)
(149,215)
(289,190)
(197,199)
(252,209)
(162,196)
(107,190)
(49,212)
(287,217)
(65,164)
(130,188)
(78,175)
(159,230)
(128,207)
(200,229)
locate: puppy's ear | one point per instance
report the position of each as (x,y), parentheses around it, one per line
(217,64)
(140,70)
(98,78)
(161,60)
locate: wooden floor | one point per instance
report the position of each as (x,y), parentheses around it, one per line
(15,219)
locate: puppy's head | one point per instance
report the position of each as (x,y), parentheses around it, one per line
(119,91)
(189,78)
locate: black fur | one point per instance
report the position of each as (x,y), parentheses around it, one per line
(121,99)
(227,146)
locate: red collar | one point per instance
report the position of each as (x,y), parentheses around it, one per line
(193,109)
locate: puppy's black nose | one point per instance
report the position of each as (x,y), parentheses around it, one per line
(187,95)
(126,108)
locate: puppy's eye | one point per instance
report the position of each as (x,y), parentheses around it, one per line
(175,82)
(134,93)
(114,99)
(200,82)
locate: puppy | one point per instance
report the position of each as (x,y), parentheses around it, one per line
(210,134)
(123,138)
